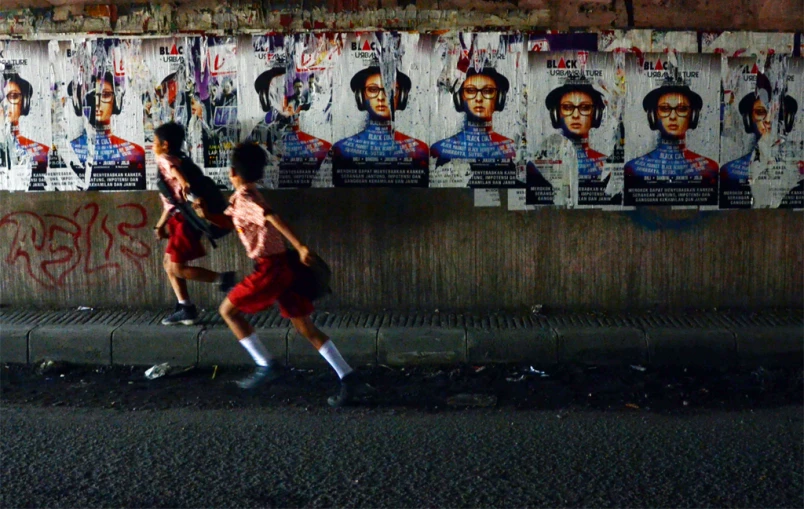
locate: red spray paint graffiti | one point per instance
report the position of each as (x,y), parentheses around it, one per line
(51,247)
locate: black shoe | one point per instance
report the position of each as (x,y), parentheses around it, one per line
(185,315)
(349,384)
(226,281)
(261,375)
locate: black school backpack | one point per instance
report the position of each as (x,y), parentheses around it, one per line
(203,187)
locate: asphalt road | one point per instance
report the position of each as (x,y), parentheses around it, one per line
(279,448)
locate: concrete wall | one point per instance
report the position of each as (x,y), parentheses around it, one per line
(123,16)
(418,248)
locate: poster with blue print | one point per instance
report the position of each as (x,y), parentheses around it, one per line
(286,97)
(381,98)
(575,135)
(97,131)
(24,116)
(479,111)
(672,130)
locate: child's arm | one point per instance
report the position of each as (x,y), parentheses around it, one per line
(219,220)
(159,228)
(284,229)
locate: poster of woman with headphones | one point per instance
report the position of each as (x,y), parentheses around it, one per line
(161,75)
(24,116)
(480,96)
(672,129)
(382,81)
(575,141)
(102,140)
(286,92)
(759,146)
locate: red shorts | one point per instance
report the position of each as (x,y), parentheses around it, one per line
(270,282)
(184,242)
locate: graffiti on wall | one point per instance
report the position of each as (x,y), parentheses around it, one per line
(87,247)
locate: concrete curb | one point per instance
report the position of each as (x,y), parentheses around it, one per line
(137,338)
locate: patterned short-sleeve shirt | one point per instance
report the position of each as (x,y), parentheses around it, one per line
(247,208)
(165,164)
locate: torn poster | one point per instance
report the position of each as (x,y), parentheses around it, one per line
(761,149)
(575,133)
(381,97)
(168,94)
(286,105)
(479,115)
(97,127)
(24,115)
(213,69)
(672,130)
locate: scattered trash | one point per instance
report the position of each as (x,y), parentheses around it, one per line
(686,403)
(520,378)
(49,366)
(84,308)
(157,371)
(473,400)
(632,405)
(536,309)
(478,369)
(165,368)
(538,372)
(214,371)
(638,367)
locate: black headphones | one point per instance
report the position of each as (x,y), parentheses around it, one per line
(25,89)
(651,101)
(358,83)
(787,112)
(553,102)
(262,86)
(502,89)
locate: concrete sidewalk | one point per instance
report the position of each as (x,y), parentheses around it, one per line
(104,337)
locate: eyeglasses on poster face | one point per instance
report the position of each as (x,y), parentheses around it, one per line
(568,109)
(664,110)
(14,97)
(372,91)
(486,92)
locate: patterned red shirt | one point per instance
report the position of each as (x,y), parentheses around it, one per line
(247,208)
(164,165)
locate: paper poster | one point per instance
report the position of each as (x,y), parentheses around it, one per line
(575,133)
(479,111)
(286,97)
(672,130)
(168,94)
(24,115)
(761,147)
(97,123)
(381,97)
(213,68)
(747,44)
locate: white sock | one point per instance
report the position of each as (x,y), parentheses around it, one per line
(187,302)
(258,352)
(333,356)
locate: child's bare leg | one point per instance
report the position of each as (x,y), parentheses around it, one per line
(178,284)
(235,320)
(184,271)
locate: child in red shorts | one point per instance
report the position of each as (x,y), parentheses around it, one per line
(261,231)
(184,241)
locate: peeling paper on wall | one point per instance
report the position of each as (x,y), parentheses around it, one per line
(25,135)
(487,197)
(213,68)
(648,41)
(575,152)
(762,147)
(286,95)
(478,128)
(381,99)
(97,124)
(672,130)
